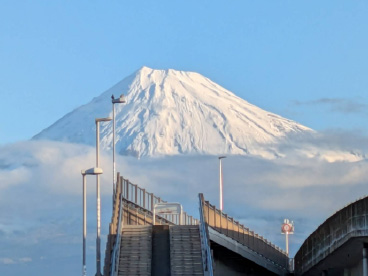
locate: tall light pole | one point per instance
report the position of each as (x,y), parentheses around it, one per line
(114,101)
(221,182)
(98,201)
(92,171)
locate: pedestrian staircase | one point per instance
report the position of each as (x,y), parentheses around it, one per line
(185,250)
(135,250)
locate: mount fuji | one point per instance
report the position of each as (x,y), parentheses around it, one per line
(169,112)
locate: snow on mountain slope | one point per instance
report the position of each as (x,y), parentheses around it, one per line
(171,112)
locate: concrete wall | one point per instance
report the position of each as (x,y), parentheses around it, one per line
(346,224)
(356,270)
(227,262)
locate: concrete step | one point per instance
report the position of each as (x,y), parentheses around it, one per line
(135,250)
(185,250)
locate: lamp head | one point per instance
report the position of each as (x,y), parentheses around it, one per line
(121,99)
(103,119)
(92,171)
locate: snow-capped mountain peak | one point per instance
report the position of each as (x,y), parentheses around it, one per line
(169,112)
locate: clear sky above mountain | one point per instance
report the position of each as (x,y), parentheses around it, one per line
(304,60)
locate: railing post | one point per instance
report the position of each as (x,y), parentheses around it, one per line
(127,189)
(136,194)
(238,230)
(144,198)
(214,217)
(122,186)
(243,237)
(184,219)
(136,217)
(220,221)
(152,203)
(227,225)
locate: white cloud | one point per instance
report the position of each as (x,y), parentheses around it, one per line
(11,261)
(7,261)
(41,186)
(13,177)
(25,260)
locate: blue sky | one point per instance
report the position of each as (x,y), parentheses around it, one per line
(305,60)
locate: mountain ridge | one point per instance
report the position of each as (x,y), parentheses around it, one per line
(171,112)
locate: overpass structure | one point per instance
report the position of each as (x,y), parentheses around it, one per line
(339,246)
(216,244)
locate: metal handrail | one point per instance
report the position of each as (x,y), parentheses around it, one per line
(139,196)
(228,226)
(206,250)
(116,250)
(235,222)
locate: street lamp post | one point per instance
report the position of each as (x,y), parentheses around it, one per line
(287,228)
(221,182)
(98,201)
(92,171)
(114,101)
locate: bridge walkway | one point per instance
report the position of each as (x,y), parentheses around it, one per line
(160,250)
(172,249)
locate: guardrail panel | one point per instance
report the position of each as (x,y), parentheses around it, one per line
(226,225)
